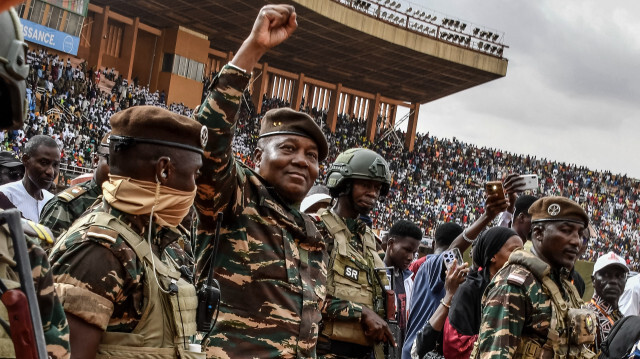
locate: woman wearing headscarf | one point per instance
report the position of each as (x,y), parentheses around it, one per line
(490,252)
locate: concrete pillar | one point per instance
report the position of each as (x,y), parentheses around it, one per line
(298,89)
(410,139)
(392,115)
(332,115)
(98,38)
(129,48)
(372,118)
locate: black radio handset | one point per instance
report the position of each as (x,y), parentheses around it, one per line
(209,294)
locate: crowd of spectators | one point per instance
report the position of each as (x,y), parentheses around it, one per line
(441,180)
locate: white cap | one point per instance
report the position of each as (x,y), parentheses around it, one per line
(309,201)
(608,260)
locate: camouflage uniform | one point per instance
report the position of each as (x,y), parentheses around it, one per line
(54,321)
(338,309)
(67,206)
(110,295)
(517,306)
(270,260)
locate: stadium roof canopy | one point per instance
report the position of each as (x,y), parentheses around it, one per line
(334,43)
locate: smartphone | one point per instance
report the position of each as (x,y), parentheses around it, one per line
(494,187)
(452,255)
(530,182)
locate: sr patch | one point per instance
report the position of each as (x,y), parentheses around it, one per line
(351,273)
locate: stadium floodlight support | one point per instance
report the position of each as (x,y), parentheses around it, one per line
(392,130)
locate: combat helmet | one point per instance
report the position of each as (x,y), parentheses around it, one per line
(358,163)
(13,71)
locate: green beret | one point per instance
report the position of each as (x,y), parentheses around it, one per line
(155,125)
(285,121)
(557,209)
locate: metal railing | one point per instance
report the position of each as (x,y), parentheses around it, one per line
(74,171)
(432,24)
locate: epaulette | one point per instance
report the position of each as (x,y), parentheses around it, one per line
(106,234)
(71,193)
(37,230)
(515,278)
(519,275)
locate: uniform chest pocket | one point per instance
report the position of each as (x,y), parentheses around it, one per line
(292,258)
(351,281)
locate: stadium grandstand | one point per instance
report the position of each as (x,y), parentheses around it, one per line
(351,64)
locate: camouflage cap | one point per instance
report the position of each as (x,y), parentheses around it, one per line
(155,125)
(285,121)
(557,209)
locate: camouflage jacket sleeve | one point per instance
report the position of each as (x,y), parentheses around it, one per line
(54,321)
(99,280)
(56,216)
(217,182)
(338,309)
(62,210)
(506,312)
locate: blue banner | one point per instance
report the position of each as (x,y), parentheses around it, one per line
(49,37)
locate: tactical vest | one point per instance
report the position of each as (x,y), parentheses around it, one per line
(352,276)
(167,322)
(11,280)
(562,326)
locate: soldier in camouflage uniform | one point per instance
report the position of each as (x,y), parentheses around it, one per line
(54,322)
(270,257)
(357,278)
(125,297)
(530,307)
(67,206)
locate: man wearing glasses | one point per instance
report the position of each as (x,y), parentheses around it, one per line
(67,206)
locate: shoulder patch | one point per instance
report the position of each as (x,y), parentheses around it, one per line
(108,235)
(71,193)
(516,278)
(37,230)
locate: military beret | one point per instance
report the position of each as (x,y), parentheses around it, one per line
(557,209)
(155,125)
(285,121)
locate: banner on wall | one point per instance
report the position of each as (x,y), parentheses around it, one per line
(49,37)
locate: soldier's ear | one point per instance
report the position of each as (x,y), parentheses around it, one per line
(257,157)
(536,233)
(163,169)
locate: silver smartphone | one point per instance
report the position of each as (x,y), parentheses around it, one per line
(530,182)
(452,255)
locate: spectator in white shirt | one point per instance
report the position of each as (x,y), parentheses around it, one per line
(41,161)
(630,300)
